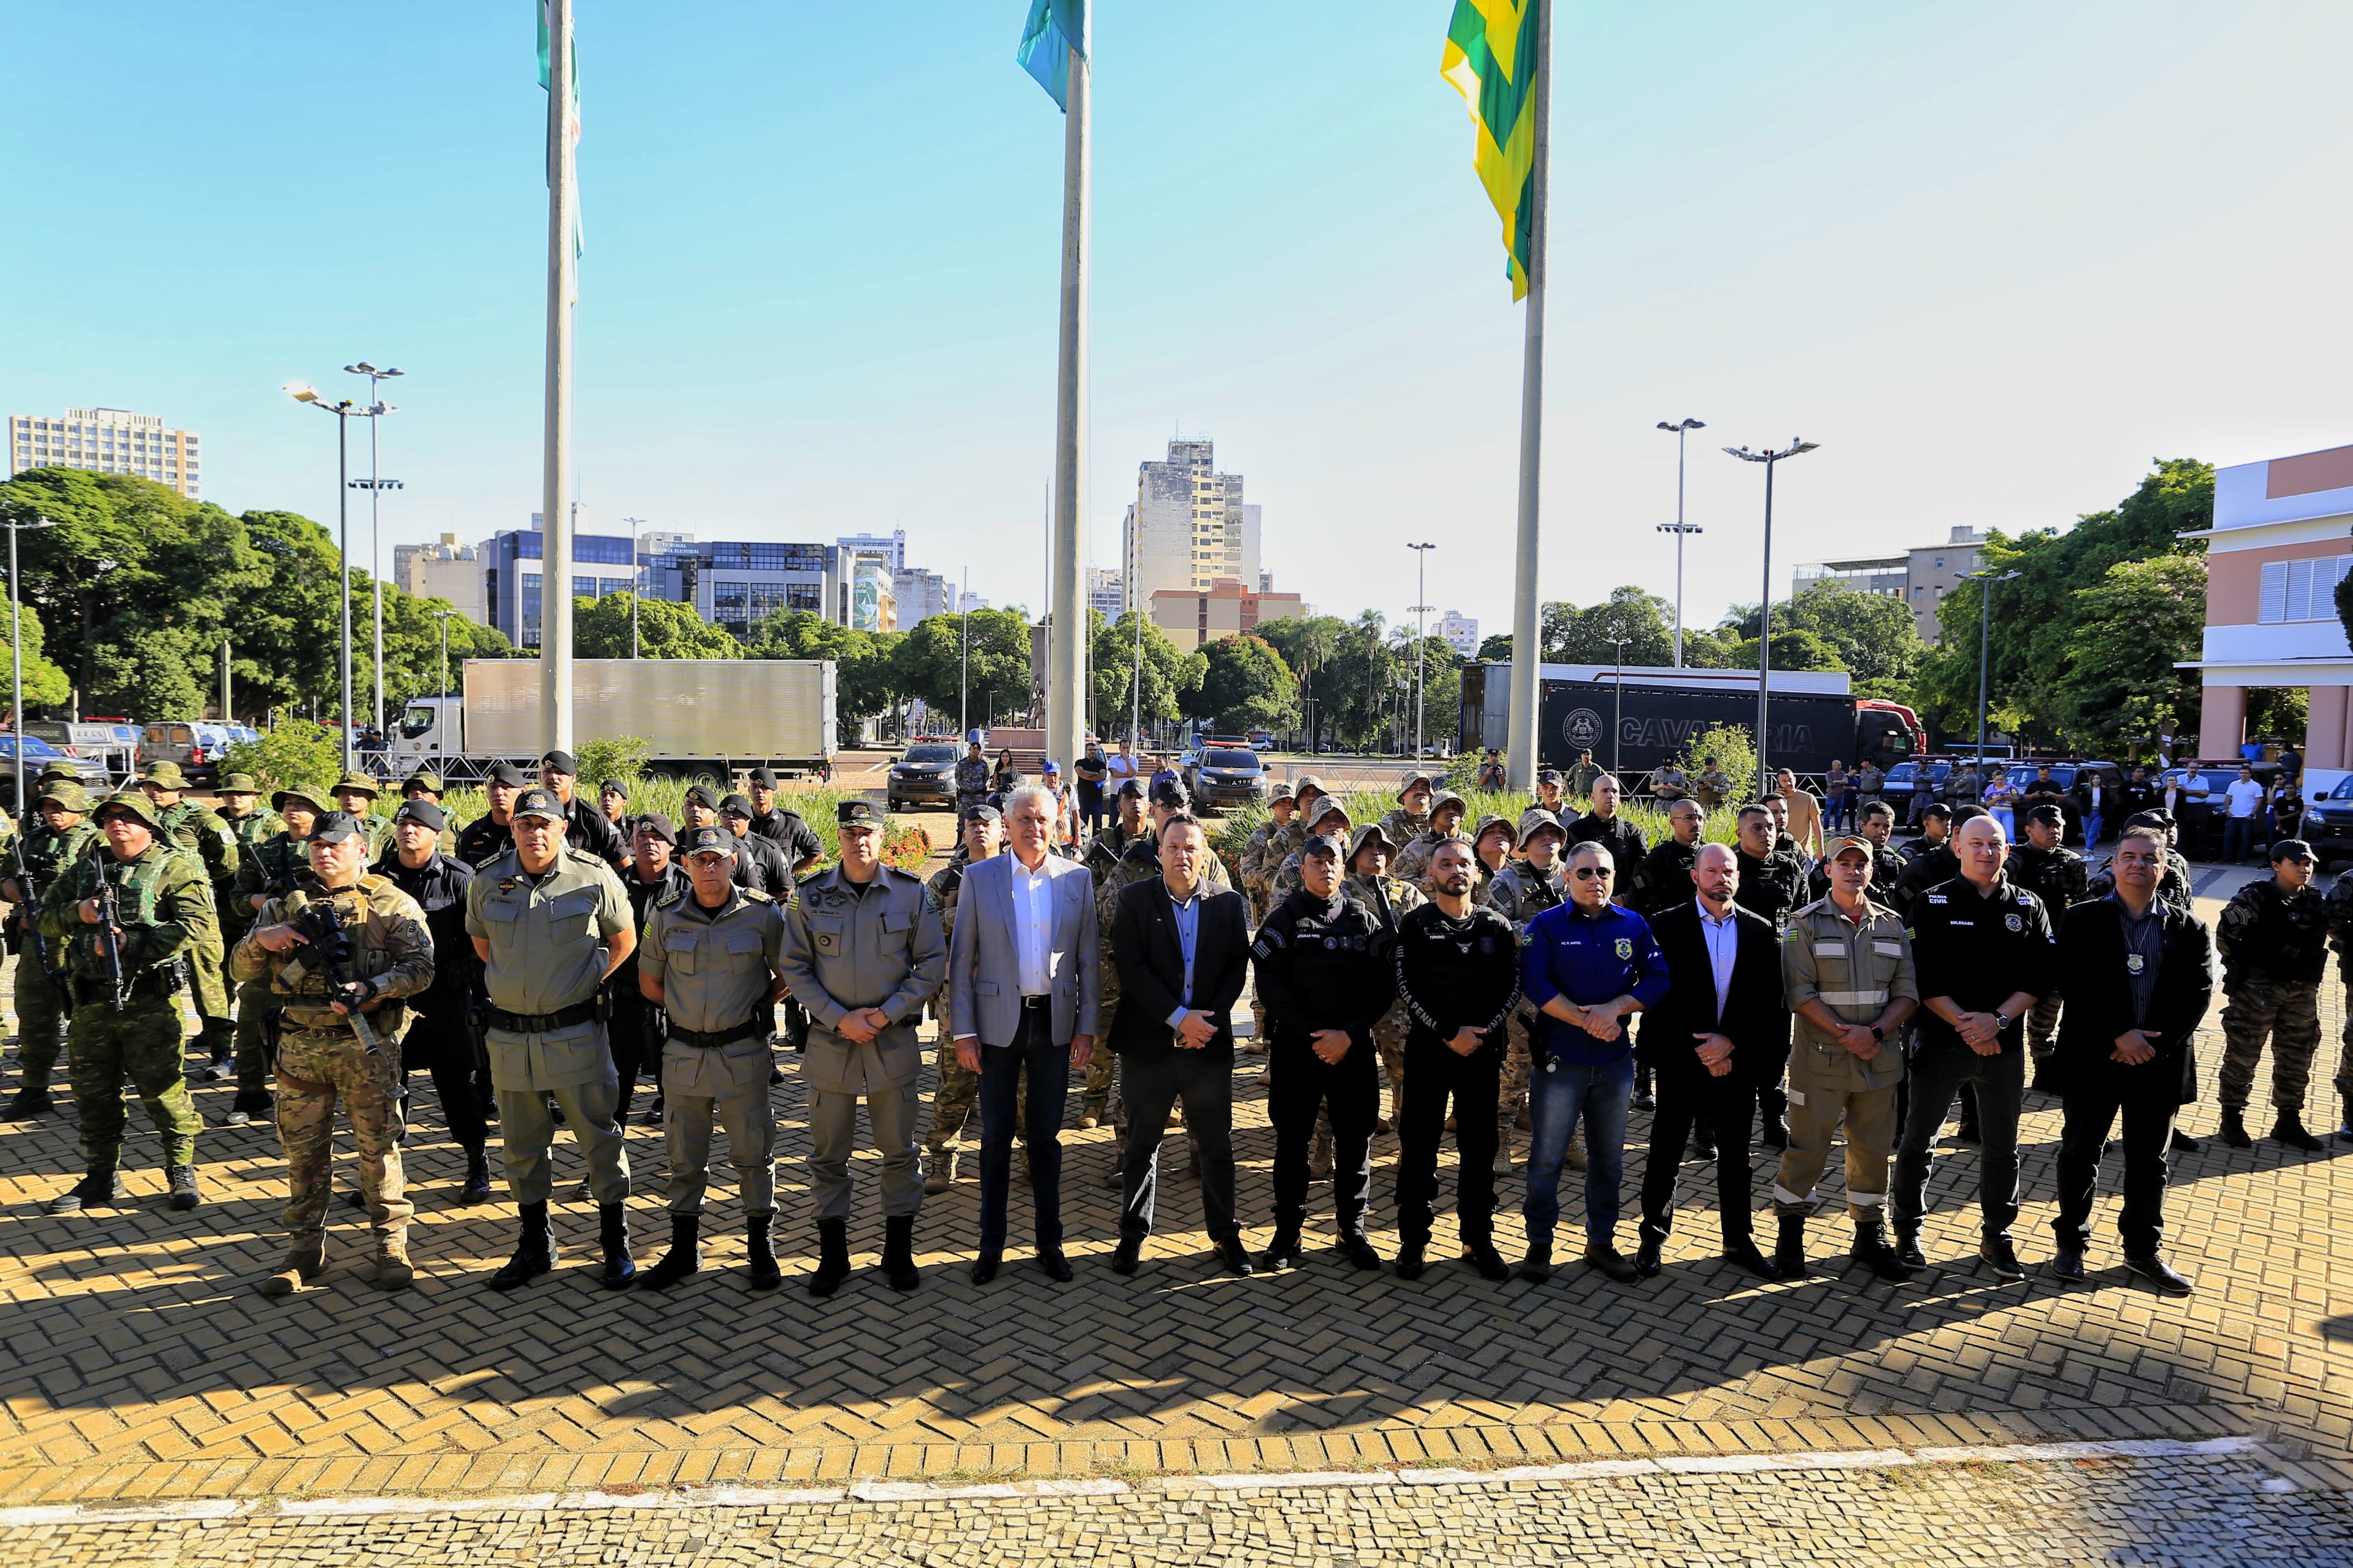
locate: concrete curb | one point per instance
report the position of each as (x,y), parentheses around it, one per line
(687,1499)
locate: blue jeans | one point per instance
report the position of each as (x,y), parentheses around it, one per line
(2092,824)
(1559,1094)
(2238,838)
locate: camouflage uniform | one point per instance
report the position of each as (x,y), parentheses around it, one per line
(1402,827)
(321,1060)
(41,1003)
(252,828)
(203,833)
(166,908)
(275,867)
(952,1099)
(1520,894)
(971,784)
(1105,849)
(1412,863)
(2059,877)
(2273,948)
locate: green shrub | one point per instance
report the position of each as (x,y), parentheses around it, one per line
(296,753)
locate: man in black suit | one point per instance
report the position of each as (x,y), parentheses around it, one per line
(1183,950)
(2140,975)
(1721,1032)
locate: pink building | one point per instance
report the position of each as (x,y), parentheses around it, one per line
(2281,541)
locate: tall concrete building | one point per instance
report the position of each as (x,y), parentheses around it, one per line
(920,596)
(108,441)
(1921,576)
(1105,593)
(1461,632)
(891,546)
(1223,609)
(510,562)
(1187,528)
(447,570)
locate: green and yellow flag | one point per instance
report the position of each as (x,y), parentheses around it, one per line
(1491,59)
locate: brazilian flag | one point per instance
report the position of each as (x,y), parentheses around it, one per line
(1491,59)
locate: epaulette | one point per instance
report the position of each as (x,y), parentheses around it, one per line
(674,896)
(757,896)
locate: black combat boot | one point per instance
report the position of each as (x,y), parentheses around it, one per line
(184,1195)
(477,1189)
(684,1257)
(534,1252)
(760,1252)
(1643,1098)
(1282,1252)
(832,1256)
(100,1187)
(1869,1249)
(2233,1130)
(27,1103)
(898,1252)
(612,1236)
(2288,1128)
(1789,1251)
(1411,1259)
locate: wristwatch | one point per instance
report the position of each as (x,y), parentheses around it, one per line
(1878,1034)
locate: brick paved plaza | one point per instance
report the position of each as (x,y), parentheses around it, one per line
(142,1367)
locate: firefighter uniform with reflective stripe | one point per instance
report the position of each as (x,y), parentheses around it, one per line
(1854,969)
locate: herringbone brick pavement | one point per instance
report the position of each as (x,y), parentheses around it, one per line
(141,1364)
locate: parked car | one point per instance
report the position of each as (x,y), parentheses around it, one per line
(107,749)
(924,775)
(38,755)
(2066,773)
(1902,779)
(2328,819)
(195,744)
(1261,739)
(1225,775)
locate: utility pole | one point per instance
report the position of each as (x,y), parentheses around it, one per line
(562,286)
(375,484)
(1420,634)
(16,659)
(1985,582)
(1617,722)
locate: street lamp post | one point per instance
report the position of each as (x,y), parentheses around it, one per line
(441,723)
(1764,602)
(1985,582)
(1420,637)
(1617,722)
(375,485)
(346,411)
(1679,527)
(16,655)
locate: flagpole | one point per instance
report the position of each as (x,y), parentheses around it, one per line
(557,524)
(1065,710)
(1526,652)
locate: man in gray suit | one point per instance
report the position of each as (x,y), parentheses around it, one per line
(1023,991)
(863,952)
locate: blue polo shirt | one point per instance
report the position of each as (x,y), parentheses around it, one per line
(1586,958)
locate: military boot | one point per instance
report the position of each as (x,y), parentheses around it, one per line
(102,1188)
(1789,1250)
(27,1103)
(184,1195)
(1871,1251)
(942,1174)
(612,1236)
(477,1189)
(534,1252)
(832,1256)
(2233,1130)
(898,1252)
(392,1270)
(684,1257)
(306,1259)
(760,1252)
(2288,1128)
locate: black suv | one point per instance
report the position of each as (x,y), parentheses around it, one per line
(925,775)
(1226,776)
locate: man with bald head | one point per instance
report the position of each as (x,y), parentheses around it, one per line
(1720,1031)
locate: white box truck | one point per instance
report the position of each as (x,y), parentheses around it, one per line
(701,719)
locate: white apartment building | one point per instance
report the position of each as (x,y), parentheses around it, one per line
(922,594)
(892,546)
(447,570)
(1188,528)
(108,441)
(1461,633)
(1105,593)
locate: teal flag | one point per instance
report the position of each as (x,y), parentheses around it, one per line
(1055,27)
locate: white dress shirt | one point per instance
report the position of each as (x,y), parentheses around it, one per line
(1033,926)
(1722,952)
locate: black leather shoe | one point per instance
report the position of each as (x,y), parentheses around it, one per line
(1411,1261)
(1908,1253)
(27,1104)
(1236,1258)
(1054,1266)
(1702,1144)
(1281,1253)
(1745,1255)
(1482,1255)
(2159,1273)
(2068,1265)
(1646,1260)
(1359,1251)
(984,1267)
(2182,1143)
(1536,1266)
(2000,1255)
(1129,1258)
(1610,1261)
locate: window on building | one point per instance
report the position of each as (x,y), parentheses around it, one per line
(2302,590)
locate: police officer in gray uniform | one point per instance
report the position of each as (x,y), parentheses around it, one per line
(863,950)
(708,960)
(551,924)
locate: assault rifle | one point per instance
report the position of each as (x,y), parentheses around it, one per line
(321,925)
(29,911)
(110,917)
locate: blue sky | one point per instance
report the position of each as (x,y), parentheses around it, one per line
(1994,259)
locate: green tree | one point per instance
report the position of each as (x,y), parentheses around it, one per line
(1168,673)
(1496,648)
(932,663)
(1793,648)
(1874,636)
(2137,620)
(1572,636)
(866,676)
(45,685)
(1246,686)
(293,753)
(666,629)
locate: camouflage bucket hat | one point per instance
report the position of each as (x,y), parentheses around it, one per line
(166,775)
(239,783)
(67,793)
(309,796)
(133,802)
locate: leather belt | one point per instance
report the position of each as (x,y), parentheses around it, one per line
(711,1039)
(1031,1004)
(542,1023)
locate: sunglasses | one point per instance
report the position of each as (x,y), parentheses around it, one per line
(1592,873)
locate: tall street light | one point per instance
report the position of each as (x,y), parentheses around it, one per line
(1618,724)
(375,485)
(16,654)
(1985,581)
(1764,602)
(1421,636)
(346,411)
(1679,527)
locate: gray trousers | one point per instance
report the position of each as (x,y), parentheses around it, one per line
(833,1129)
(526,1132)
(751,1124)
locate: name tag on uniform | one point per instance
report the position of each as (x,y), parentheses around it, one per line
(1888,949)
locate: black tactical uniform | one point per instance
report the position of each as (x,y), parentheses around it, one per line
(1662,878)
(438,1039)
(1620,837)
(2059,877)
(1453,974)
(484,841)
(1324,964)
(1774,888)
(636,1033)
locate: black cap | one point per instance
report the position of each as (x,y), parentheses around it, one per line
(562,762)
(538,803)
(423,811)
(703,796)
(1322,844)
(856,814)
(741,805)
(334,827)
(508,775)
(1937,808)
(707,841)
(614,786)
(1170,792)
(1549,775)
(984,812)
(2048,815)
(765,777)
(2161,817)
(2291,849)
(658,825)
(1134,786)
